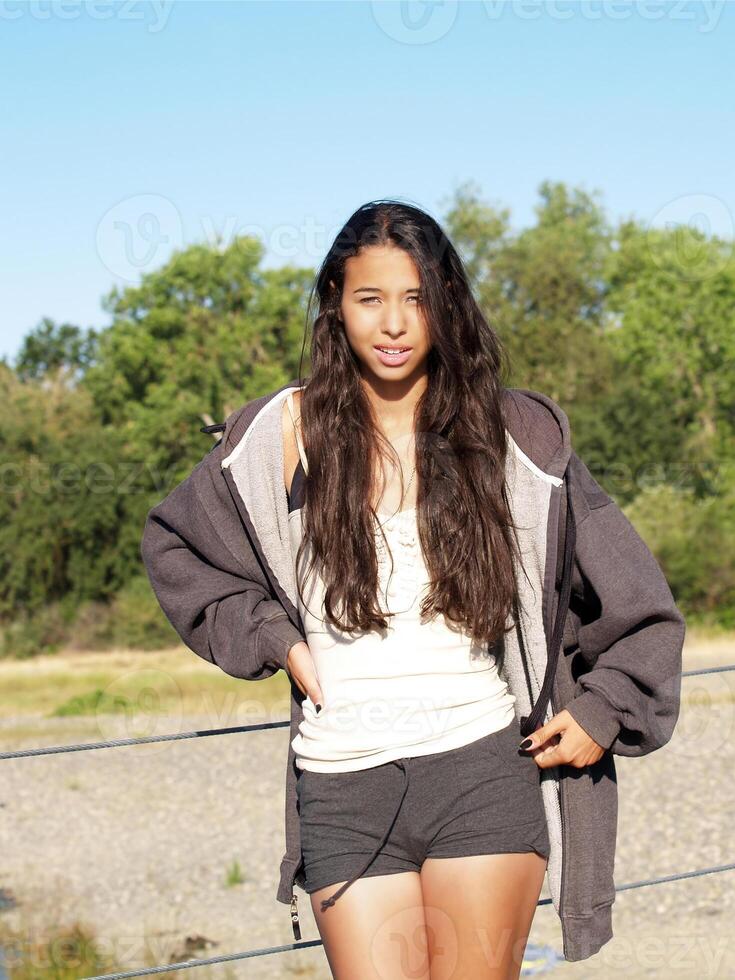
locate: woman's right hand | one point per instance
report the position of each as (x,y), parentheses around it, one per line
(300,667)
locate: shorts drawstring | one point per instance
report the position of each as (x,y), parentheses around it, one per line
(328,902)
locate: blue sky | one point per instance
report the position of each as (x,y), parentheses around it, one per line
(132,128)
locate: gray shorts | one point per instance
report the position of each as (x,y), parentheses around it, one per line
(482,798)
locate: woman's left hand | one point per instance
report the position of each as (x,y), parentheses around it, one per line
(563,740)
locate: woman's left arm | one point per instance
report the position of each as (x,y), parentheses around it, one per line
(630,631)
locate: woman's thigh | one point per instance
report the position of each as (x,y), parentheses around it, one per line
(478,911)
(376,931)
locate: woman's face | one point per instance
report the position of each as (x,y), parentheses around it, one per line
(381,313)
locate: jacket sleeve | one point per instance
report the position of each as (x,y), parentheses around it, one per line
(209,583)
(628,628)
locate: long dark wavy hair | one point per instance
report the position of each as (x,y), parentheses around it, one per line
(464,519)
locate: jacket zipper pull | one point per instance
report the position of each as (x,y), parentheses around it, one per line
(295,917)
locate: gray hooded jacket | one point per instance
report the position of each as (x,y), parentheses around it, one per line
(218,556)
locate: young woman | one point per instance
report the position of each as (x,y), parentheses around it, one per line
(407,688)
(422,551)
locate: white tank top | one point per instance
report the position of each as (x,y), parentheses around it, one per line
(417,688)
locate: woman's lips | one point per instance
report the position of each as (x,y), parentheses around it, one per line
(392,360)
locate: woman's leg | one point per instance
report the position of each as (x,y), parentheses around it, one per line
(376,929)
(479,911)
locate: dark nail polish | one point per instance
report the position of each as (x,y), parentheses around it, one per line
(318,708)
(526,743)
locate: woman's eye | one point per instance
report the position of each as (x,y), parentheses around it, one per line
(369,299)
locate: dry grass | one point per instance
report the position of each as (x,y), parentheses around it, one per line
(708,648)
(147,690)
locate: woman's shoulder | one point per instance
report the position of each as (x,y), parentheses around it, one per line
(291,421)
(291,425)
(239,421)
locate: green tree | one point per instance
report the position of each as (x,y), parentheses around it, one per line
(61,509)
(85,457)
(543,287)
(50,346)
(671,332)
(198,337)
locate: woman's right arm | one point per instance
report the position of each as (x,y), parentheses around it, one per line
(196,554)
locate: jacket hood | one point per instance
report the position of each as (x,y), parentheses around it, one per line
(540,429)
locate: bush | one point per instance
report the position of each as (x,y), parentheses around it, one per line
(694,542)
(31,634)
(132,620)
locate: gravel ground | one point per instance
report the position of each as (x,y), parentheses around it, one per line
(135,842)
